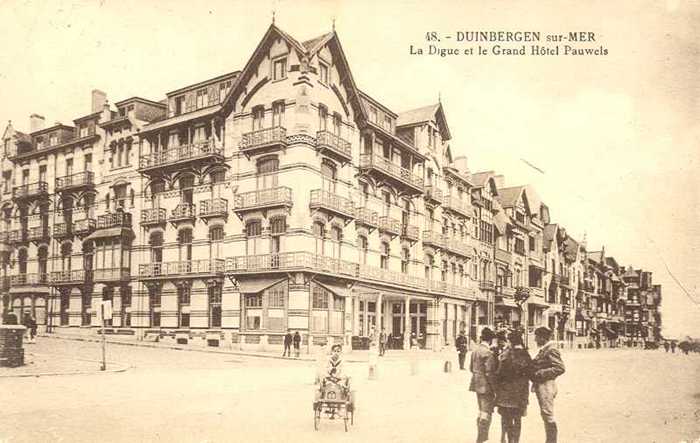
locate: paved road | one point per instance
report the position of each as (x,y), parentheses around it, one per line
(168,395)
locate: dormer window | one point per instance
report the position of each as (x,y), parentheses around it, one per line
(179,105)
(323,73)
(52,139)
(387,123)
(279,69)
(373,114)
(224,87)
(83,131)
(201,98)
(40,143)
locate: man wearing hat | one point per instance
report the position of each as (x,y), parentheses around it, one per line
(483,368)
(546,367)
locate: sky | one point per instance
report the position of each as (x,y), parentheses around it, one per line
(616,136)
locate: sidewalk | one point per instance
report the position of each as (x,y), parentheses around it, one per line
(42,365)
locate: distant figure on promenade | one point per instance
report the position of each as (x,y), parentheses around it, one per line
(383,338)
(673,347)
(297,343)
(483,368)
(461,344)
(546,367)
(29,323)
(666,346)
(287,344)
(512,386)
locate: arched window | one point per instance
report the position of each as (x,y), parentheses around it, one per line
(384,257)
(329,173)
(253,230)
(266,169)
(186,183)
(319,232)
(66,250)
(184,240)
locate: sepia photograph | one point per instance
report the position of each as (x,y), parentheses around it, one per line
(352,221)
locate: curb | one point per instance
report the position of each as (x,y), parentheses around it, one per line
(179,348)
(120,368)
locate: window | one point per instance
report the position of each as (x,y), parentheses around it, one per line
(253,312)
(278,225)
(532,243)
(202,100)
(83,131)
(329,174)
(120,196)
(253,228)
(224,88)
(258,117)
(184,240)
(319,232)
(405,259)
(179,105)
(216,233)
(362,245)
(218,176)
(53,139)
(184,294)
(278,113)
(323,73)
(279,69)
(42,173)
(520,246)
(214,299)
(337,123)
(387,123)
(320,297)
(373,114)
(88,162)
(322,118)
(384,257)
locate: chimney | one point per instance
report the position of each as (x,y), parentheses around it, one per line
(36,123)
(460,163)
(106,113)
(99,98)
(500,181)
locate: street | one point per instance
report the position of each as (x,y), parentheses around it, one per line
(169,395)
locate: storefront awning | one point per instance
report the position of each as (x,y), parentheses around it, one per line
(338,288)
(506,302)
(538,304)
(254,285)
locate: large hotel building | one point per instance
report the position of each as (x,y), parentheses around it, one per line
(283,197)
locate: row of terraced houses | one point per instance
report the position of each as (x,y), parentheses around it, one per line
(283,197)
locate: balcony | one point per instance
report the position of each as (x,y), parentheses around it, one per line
(62,230)
(262,199)
(178,156)
(333,144)
(410,233)
(503,256)
(115,220)
(366,272)
(28,280)
(77,276)
(454,204)
(84,227)
(32,190)
(38,233)
(193,268)
(487,285)
(111,274)
(153,216)
(328,201)
(565,281)
(433,194)
(263,139)
(436,286)
(216,207)
(367,217)
(74,182)
(17,236)
(457,246)
(389,225)
(373,163)
(434,239)
(183,212)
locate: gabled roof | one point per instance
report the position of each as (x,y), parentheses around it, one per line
(426,114)
(317,43)
(571,248)
(548,235)
(508,197)
(480,178)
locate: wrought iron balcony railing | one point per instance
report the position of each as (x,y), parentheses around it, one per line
(367,217)
(38,233)
(115,220)
(78,180)
(29,279)
(74,276)
(153,216)
(182,268)
(280,196)
(332,142)
(84,227)
(181,154)
(61,230)
(322,199)
(391,169)
(30,190)
(434,239)
(264,138)
(389,225)
(17,235)
(410,232)
(111,274)
(213,208)
(183,211)
(455,204)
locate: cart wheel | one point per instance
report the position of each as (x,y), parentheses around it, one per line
(317,418)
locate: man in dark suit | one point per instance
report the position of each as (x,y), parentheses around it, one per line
(288,344)
(483,368)
(546,367)
(461,344)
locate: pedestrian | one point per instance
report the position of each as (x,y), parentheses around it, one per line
(461,344)
(32,328)
(482,365)
(512,386)
(27,323)
(546,367)
(287,344)
(673,347)
(297,342)
(666,346)
(382,342)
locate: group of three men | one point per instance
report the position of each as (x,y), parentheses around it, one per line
(546,366)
